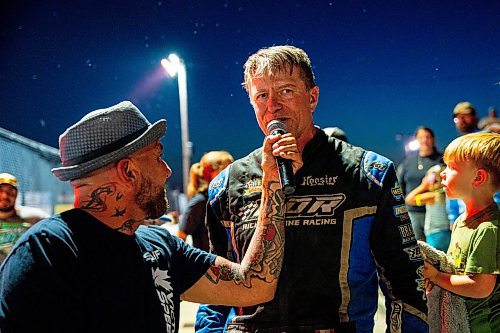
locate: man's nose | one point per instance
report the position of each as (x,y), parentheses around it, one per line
(273,103)
(168,170)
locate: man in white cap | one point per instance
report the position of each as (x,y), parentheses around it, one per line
(465,118)
(13,223)
(94,269)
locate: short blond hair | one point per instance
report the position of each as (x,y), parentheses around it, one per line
(274,59)
(481,148)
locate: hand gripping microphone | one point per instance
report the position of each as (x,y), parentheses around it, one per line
(284,166)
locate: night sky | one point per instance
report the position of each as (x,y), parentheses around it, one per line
(383,67)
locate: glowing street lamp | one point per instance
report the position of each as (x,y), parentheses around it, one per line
(174,65)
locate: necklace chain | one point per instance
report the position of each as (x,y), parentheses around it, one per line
(420,162)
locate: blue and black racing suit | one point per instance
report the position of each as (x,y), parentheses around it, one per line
(347,229)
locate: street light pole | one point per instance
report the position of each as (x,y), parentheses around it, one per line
(174,65)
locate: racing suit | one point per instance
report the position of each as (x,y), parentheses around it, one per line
(347,228)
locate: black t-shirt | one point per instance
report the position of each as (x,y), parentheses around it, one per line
(72,273)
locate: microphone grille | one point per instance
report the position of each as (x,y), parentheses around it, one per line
(276,125)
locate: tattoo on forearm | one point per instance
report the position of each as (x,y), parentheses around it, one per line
(97,201)
(222,272)
(272,244)
(266,249)
(276,198)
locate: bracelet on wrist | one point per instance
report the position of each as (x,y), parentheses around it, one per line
(418,200)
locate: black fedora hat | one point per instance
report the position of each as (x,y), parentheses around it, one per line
(105,136)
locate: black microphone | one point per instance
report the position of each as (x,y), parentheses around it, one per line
(284,166)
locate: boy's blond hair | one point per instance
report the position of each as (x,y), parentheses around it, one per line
(483,149)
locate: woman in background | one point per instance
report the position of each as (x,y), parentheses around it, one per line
(192,221)
(431,194)
(412,170)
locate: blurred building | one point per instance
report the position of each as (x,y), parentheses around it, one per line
(30,162)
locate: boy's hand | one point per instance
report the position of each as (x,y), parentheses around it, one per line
(430,272)
(430,275)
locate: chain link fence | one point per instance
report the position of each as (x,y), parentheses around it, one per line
(30,161)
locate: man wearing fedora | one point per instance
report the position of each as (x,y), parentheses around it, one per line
(95,269)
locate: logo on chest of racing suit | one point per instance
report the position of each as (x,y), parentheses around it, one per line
(300,210)
(253,185)
(319,181)
(313,210)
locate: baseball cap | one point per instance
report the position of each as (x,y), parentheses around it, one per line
(7,178)
(464,108)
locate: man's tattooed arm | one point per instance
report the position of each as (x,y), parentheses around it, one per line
(263,258)
(255,280)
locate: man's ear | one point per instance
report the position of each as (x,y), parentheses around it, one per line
(482,177)
(126,170)
(313,97)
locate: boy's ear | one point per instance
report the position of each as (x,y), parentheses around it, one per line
(481,177)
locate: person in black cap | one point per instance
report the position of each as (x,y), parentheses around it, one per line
(95,269)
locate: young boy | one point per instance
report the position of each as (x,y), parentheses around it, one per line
(473,175)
